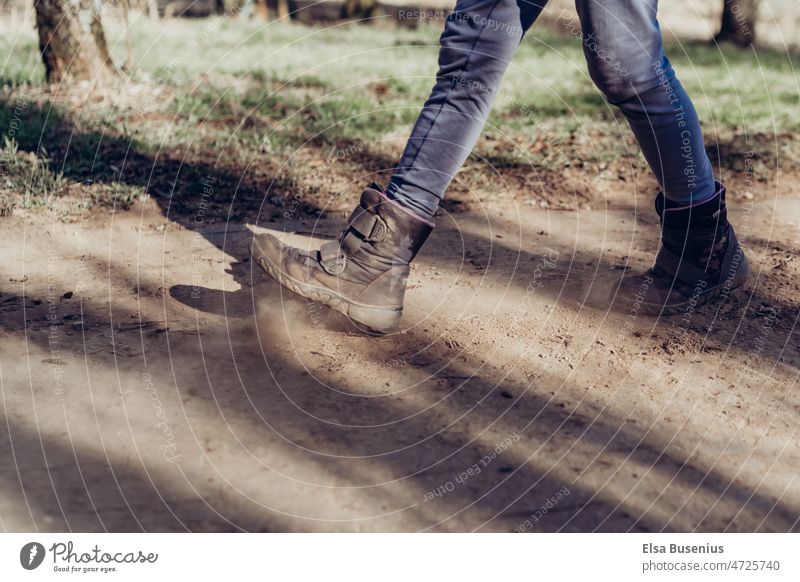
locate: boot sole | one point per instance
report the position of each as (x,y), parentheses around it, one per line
(739,279)
(377,319)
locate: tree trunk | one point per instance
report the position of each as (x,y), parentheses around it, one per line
(152,10)
(359,8)
(262,10)
(738,22)
(283,9)
(72,42)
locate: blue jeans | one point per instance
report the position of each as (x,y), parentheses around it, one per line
(623,48)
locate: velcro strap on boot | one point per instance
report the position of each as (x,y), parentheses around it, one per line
(366,226)
(362,227)
(332,259)
(680,268)
(363,222)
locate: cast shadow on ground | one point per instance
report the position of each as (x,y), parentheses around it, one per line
(513,490)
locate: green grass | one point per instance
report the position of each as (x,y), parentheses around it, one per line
(328,71)
(730,87)
(241,90)
(30,175)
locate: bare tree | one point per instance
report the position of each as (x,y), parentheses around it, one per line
(738,22)
(72,41)
(152,10)
(280,8)
(365,9)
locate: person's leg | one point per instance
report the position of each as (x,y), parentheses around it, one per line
(699,258)
(364,273)
(623,47)
(479,40)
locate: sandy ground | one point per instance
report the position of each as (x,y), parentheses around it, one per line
(152,379)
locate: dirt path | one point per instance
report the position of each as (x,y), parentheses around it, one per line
(152,380)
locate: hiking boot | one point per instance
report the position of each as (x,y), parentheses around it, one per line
(699,259)
(363,274)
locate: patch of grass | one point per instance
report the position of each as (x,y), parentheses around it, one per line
(354,116)
(20,63)
(28,180)
(28,175)
(731,87)
(244,94)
